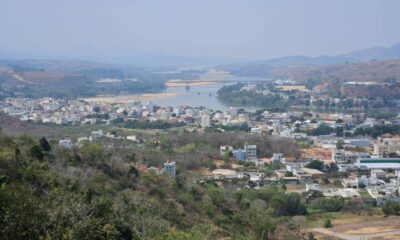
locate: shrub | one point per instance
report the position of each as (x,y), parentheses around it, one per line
(328,223)
(391,208)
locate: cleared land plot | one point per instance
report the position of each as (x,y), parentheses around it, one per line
(371,227)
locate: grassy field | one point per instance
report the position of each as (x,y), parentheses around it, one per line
(316,219)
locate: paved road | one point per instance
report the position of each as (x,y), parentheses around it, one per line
(355,237)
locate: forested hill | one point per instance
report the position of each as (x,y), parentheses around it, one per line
(71,79)
(97,193)
(93,192)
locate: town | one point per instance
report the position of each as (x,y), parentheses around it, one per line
(199,120)
(337,157)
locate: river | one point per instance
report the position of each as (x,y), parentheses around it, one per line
(204,95)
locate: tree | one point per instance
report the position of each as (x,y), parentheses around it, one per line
(165,144)
(391,208)
(329,204)
(325,180)
(133,170)
(287,204)
(131,157)
(332,168)
(92,153)
(316,164)
(288,174)
(21,214)
(226,157)
(44,144)
(340,144)
(328,223)
(36,152)
(96,109)
(322,129)
(142,215)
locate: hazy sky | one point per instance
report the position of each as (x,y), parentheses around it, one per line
(259,29)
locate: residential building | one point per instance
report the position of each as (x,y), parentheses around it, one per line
(239,154)
(170,169)
(313,187)
(386,145)
(65,143)
(384,193)
(343,192)
(225,149)
(251,152)
(205,121)
(277,158)
(96,135)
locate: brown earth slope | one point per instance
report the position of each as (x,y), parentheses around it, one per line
(357,72)
(15,127)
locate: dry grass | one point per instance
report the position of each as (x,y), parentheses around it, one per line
(355,219)
(371,230)
(390,237)
(377,70)
(299,188)
(45,77)
(14,127)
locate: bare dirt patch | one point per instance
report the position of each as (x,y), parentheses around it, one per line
(370,230)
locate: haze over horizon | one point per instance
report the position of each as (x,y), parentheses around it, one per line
(229,29)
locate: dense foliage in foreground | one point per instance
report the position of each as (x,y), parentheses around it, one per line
(96,193)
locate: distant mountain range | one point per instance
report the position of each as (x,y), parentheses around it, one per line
(117,56)
(376,53)
(149,59)
(288,66)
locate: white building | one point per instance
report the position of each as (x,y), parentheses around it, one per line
(132,138)
(313,187)
(170,169)
(384,193)
(82,139)
(65,143)
(344,159)
(205,121)
(277,158)
(251,152)
(96,135)
(225,149)
(343,192)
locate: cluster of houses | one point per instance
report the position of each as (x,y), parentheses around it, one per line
(295,125)
(370,170)
(76,112)
(95,137)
